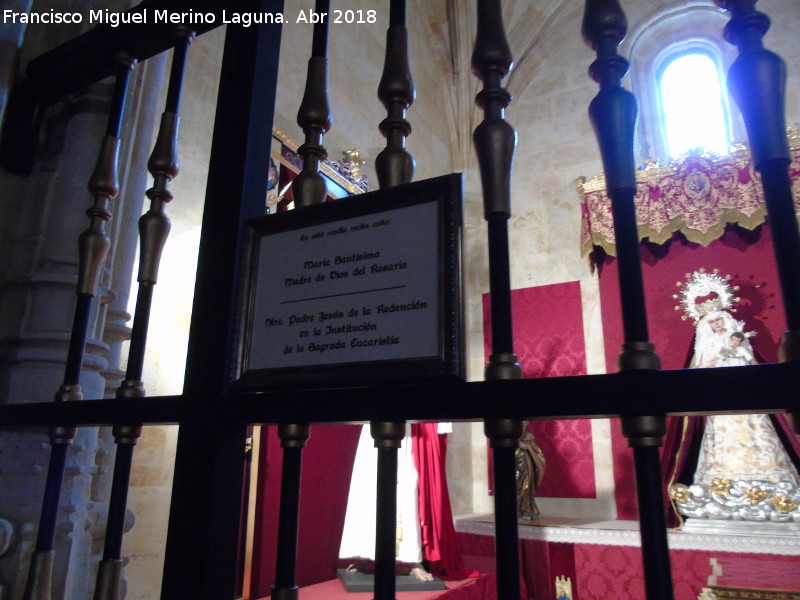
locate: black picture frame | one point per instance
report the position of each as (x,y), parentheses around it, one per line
(423,341)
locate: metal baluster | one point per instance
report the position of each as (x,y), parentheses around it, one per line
(394,166)
(388,438)
(293,440)
(314,116)
(93,246)
(308,188)
(757,79)
(495,142)
(613,114)
(154,227)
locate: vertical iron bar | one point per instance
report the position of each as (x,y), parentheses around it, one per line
(205,510)
(293,440)
(652,523)
(319,42)
(314,117)
(500,283)
(308,188)
(757,79)
(505,491)
(495,142)
(386,523)
(388,438)
(613,114)
(93,246)
(394,166)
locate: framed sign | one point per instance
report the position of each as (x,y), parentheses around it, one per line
(359,290)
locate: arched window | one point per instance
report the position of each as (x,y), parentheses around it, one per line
(692,106)
(676,54)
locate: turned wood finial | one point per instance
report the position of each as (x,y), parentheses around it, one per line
(94,243)
(613,115)
(495,140)
(604,27)
(394,165)
(491,53)
(614,110)
(757,80)
(314,117)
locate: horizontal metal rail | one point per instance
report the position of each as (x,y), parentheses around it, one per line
(767,388)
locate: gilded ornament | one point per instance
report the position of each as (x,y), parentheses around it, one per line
(679,493)
(351,163)
(563,588)
(704,293)
(721,485)
(707,594)
(755,494)
(783,503)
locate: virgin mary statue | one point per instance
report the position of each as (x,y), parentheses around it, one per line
(744,471)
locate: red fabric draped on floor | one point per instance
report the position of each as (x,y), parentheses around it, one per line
(438,534)
(480,589)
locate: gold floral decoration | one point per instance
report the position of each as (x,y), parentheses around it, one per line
(679,492)
(755,494)
(563,588)
(721,485)
(783,503)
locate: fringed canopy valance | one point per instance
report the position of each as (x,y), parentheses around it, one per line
(697,194)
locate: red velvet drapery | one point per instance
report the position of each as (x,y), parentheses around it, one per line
(439,542)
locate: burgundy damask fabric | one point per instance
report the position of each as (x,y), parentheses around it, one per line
(616,572)
(602,571)
(549,342)
(548,330)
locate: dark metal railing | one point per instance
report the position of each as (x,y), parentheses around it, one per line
(613,114)
(202,539)
(495,141)
(93,245)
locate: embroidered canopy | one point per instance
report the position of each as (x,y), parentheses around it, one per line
(697,194)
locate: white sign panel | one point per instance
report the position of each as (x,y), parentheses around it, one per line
(362,289)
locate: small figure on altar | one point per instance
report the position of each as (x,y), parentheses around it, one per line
(530,471)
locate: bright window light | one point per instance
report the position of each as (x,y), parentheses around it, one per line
(691,100)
